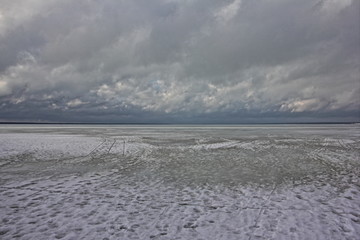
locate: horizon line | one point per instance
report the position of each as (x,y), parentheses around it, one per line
(165,123)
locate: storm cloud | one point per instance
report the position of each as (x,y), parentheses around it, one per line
(179,61)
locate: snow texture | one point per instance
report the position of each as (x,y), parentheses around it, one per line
(179,182)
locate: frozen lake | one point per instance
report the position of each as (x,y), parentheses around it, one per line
(179,182)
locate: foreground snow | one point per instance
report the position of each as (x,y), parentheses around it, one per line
(254,182)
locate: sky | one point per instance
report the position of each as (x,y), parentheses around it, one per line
(180,61)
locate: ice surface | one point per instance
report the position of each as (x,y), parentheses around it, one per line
(179,182)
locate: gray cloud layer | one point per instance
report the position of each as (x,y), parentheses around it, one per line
(179,61)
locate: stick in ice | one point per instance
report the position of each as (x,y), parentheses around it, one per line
(124,148)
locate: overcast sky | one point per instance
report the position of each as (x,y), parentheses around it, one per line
(179,61)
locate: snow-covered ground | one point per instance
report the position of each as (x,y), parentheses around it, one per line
(179,182)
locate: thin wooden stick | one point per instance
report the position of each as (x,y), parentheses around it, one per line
(124,148)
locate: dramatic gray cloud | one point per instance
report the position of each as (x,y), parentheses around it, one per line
(179,61)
